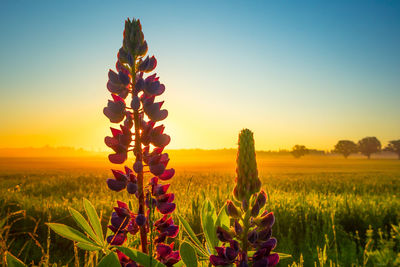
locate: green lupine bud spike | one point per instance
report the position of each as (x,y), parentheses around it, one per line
(247,179)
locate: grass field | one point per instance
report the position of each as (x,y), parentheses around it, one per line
(346,206)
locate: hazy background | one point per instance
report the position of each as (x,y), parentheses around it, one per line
(311,72)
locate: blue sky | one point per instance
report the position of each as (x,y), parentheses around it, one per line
(309,72)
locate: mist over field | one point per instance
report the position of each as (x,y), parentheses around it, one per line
(319,200)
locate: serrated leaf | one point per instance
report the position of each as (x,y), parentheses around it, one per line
(208,220)
(12,261)
(188,254)
(88,247)
(193,237)
(110,260)
(140,257)
(70,233)
(84,225)
(93,219)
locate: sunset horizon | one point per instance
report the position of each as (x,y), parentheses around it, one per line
(290,80)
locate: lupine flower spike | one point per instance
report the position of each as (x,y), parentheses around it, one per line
(250,231)
(139,133)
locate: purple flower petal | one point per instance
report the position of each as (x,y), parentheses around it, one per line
(273,259)
(167,174)
(116,185)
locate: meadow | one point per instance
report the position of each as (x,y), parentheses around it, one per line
(329,210)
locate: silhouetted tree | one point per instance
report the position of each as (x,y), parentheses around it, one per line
(346,147)
(369,145)
(394,146)
(299,151)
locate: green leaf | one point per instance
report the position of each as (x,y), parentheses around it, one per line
(88,247)
(208,220)
(3,222)
(188,254)
(284,255)
(93,219)
(140,257)
(12,261)
(84,225)
(223,219)
(70,233)
(110,260)
(192,236)
(179,264)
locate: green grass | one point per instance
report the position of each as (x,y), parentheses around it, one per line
(317,201)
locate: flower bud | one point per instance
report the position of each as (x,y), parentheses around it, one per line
(140,219)
(135,103)
(238,228)
(231,210)
(252,236)
(124,78)
(223,234)
(265,234)
(255,210)
(265,221)
(138,166)
(116,240)
(116,185)
(261,198)
(269,245)
(247,179)
(132,188)
(245,205)
(148,64)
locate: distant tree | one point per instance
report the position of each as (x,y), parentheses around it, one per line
(369,145)
(394,146)
(299,151)
(346,147)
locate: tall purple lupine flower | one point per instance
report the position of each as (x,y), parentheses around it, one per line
(250,231)
(140,134)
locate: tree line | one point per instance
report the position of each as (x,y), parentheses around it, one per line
(366,146)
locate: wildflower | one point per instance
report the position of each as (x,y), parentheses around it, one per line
(247,181)
(139,121)
(166,228)
(121,223)
(115,109)
(226,255)
(119,142)
(250,231)
(148,64)
(166,255)
(118,83)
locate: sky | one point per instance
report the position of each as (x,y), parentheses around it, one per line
(294,72)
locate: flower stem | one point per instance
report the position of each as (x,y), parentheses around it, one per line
(139,157)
